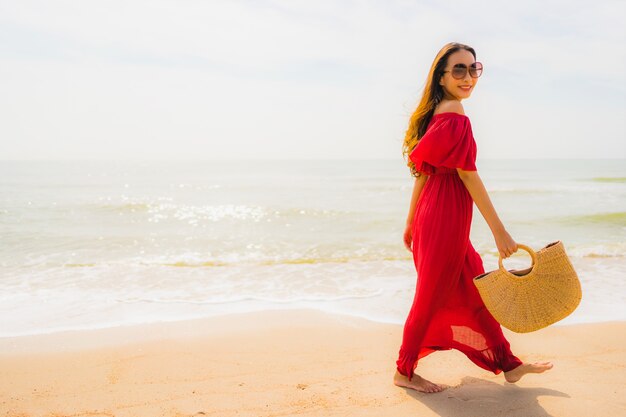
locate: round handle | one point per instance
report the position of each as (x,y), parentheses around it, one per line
(528,249)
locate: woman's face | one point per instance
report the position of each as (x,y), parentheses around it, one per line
(458,89)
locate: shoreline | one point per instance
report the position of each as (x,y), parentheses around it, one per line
(306,363)
(571,320)
(135,333)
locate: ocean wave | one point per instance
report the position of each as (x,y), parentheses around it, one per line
(238,259)
(308,211)
(265,299)
(609,179)
(518,190)
(125,207)
(552,188)
(161,210)
(608,218)
(574,250)
(286,261)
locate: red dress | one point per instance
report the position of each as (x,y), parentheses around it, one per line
(447,311)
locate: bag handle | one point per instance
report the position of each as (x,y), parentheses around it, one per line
(528,249)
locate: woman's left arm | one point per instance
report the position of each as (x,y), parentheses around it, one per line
(474,184)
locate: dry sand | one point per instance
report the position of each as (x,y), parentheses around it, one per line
(299,363)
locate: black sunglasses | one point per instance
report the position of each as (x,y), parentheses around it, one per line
(460,70)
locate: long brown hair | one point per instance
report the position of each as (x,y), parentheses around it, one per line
(432,96)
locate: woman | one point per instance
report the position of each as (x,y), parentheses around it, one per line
(447,311)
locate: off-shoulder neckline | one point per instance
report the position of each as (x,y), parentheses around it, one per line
(450,112)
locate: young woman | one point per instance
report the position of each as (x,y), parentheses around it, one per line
(447,311)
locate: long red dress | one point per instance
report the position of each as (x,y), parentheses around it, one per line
(447,311)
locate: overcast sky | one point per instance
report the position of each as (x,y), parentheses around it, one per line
(302,79)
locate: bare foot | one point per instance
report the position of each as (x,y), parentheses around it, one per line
(514,375)
(417,383)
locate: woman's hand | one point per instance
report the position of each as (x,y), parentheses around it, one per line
(408,237)
(505,244)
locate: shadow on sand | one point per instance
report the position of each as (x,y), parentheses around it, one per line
(475,397)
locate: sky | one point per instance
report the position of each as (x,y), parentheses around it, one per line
(283,79)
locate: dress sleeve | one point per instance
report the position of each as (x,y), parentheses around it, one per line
(448,142)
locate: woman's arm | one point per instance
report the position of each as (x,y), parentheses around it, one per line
(474,184)
(417,190)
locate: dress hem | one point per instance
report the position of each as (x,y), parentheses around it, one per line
(503,360)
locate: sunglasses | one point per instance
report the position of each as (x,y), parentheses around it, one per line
(460,70)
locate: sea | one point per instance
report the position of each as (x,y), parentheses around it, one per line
(97,244)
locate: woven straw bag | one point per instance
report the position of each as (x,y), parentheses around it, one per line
(534,298)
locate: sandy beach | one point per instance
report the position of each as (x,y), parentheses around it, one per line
(299,363)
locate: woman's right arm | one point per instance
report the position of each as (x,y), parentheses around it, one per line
(474,184)
(417,190)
